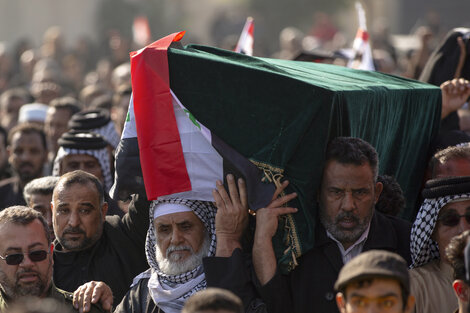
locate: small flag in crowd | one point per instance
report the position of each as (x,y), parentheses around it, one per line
(245,43)
(362,52)
(141,31)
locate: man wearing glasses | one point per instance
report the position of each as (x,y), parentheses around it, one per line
(26,259)
(444,214)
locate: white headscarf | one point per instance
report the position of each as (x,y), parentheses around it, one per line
(170,292)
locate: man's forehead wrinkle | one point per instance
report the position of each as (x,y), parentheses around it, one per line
(176,217)
(172,221)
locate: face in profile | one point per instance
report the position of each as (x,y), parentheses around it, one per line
(375,295)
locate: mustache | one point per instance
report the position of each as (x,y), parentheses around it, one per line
(172,248)
(26,271)
(26,164)
(346,215)
(73,230)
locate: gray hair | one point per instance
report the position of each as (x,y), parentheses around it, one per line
(44,186)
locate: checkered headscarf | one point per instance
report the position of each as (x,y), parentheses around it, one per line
(109,133)
(423,248)
(205,211)
(102,155)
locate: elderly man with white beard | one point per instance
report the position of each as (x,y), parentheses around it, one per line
(181,233)
(191,245)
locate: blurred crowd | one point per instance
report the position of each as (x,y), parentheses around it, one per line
(63,109)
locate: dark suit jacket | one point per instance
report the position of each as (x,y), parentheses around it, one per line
(116,258)
(309,287)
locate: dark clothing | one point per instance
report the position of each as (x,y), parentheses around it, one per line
(116,258)
(113,206)
(310,285)
(63,297)
(138,300)
(5,172)
(11,193)
(232,273)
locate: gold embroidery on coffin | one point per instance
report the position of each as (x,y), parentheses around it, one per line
(274,175)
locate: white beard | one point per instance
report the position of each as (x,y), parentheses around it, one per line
(173,266)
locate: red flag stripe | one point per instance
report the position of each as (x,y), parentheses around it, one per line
(362,34)
(161,153)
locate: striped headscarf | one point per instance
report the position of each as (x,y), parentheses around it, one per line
(169,292)
(102,155)
(437,193)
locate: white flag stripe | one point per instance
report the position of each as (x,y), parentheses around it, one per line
(203,164)
(130,130)
(361,45)
(361,16)
(245,42)
(204,130)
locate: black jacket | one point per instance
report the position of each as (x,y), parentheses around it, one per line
(11,193)
(138,300)
(309,287)
(117,257)
(232,273)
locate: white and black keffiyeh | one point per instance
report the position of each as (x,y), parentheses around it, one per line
(169,292)
(102,155)
(109,134)
(423,248)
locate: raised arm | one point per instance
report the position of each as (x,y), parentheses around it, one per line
(232,215)
(264,259)
(455,93)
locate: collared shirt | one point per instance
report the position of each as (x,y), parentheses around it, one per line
(355,249)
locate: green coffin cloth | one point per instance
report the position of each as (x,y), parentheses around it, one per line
(281,115)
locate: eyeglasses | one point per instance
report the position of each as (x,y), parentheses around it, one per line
(453,219)
(17,258)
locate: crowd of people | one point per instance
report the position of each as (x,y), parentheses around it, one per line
(64,239)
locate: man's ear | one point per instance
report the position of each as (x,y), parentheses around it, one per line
(378,190)
(460,290)
(341,302)
(410,304)
(9,153)
(104,210)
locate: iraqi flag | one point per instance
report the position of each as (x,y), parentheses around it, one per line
(245,42)
(278,114)
(362,53)
(179,156)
